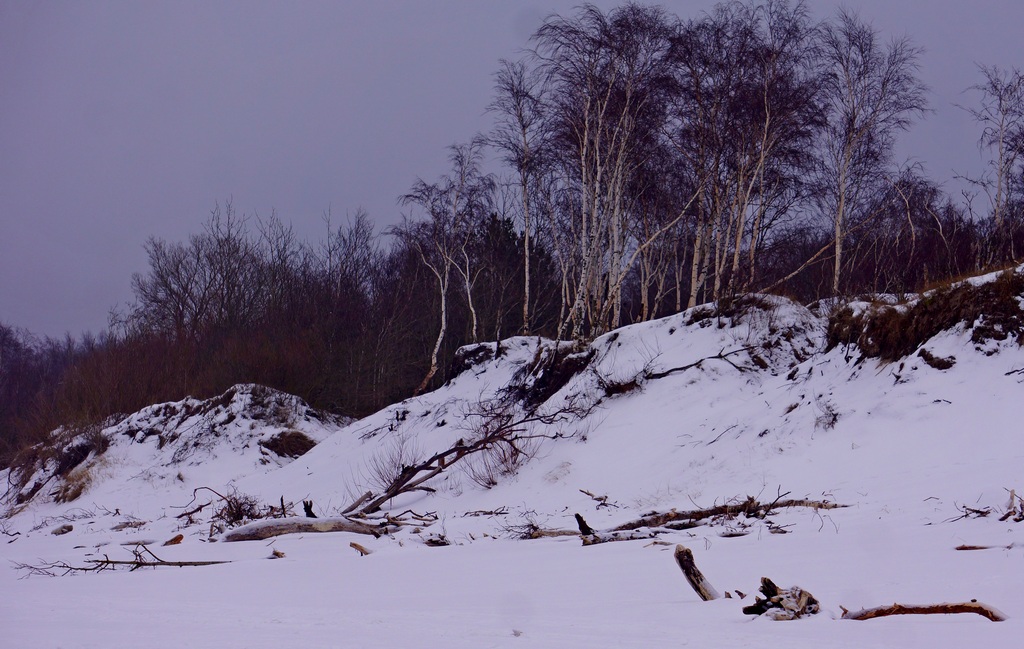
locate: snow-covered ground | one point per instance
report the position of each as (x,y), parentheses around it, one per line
(767,413)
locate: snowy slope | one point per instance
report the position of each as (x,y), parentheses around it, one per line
(694,410)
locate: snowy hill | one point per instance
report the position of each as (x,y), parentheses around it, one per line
(761,400)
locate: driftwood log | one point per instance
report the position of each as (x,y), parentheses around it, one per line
(591,536)
(782,603)
(628,535)
(696,579)
(750,507)
(659,522)
(929,609)
(276,527)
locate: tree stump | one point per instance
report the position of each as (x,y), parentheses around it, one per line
(700,584)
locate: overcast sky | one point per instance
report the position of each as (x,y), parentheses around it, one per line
(125,120)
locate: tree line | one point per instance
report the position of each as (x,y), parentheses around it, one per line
(648,163)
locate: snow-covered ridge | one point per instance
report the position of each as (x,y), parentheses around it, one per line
(247,429)
(726,408)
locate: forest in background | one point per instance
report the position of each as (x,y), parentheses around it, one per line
(649,163)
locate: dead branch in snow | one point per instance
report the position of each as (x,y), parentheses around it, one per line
(750,507)
(969,512)
(501,511)
(535,532)
(972,606)
(501,427)
(602,501)
(6,532)
(593,537)
(266,529)
(142,557)
(360,549)
(627,535)
(720,356)
(357,502)
(987,547)
(696,579)
(657,523)
(237,508)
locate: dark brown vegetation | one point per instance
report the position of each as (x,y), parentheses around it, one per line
(991,311)
(290,444)
(654,162)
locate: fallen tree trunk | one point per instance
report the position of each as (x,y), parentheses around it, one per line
(591,536)
(540,533)
(700,583)
(625,535)
(750,508)
(269,528)
(929,609)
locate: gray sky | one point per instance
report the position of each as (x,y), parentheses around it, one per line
(127,119)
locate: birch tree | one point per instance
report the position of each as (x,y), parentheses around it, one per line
(1000,113)
(455,207)
(871,91)
(604,73)
(519,134)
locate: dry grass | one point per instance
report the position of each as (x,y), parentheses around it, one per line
(290,444)
(73,485)
(59,457)
(991,311)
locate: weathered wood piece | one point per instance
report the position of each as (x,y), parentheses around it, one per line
(782,603)
(266,529)
(696,579)
(626,535)
(929,609)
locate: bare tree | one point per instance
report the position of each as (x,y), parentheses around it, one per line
(871,92)
(1001,115)
(604,72)
(519,133)
(455,207)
